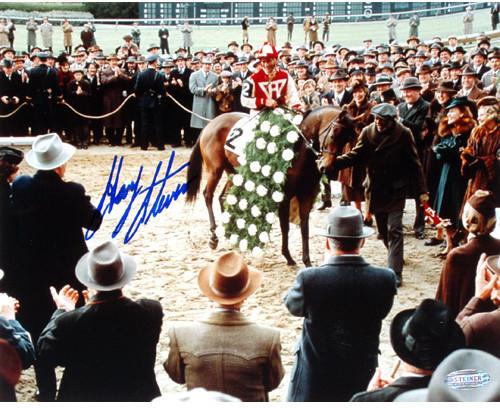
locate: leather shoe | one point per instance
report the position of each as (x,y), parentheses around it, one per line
(368,223)
(419,234)
(433,241)
(399,281)
(324,205)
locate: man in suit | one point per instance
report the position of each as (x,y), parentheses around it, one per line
(202,85)
(394,170)
(339,95)
(50,214)
(479,58)
(414,114)
(108,346)
(163,35)
(11,88)
(469,85)
(241,73)
(337,353)
(179,89)
(43,93)
(225,351)
(421,338)
(149,90)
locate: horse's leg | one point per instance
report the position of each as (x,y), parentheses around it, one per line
(305,208)
(284,213)
(212,181)
(222,196)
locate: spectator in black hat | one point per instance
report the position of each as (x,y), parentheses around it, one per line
(421,338)
(394,171)
(479,59)
(11,96)
(163,36)
(470,87)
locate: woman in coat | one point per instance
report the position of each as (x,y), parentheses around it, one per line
(187,39)
(468,19)
(271,28)
(352,177)
(453,132)
(480,157)
(31,27)
(68,36)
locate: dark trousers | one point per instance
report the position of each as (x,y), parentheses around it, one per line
(419,223)
(114,136)
(96,128)
(150,126)
(390,226)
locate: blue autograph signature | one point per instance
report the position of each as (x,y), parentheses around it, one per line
(115,195)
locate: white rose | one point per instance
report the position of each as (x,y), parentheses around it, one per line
(297,120)
(220,231)
(277,197)
(279,177)
(292,136)
(255,167)
(279,110)
(238,180)
(275,131)
(264,237)
(257,252)
(270,218)
(288,117)
(266,170)
(249,185)
(260,143)
(243,204)
(240,223)
(261,190)
(243,245)
(242,160)
(225,217)
(233,239)
(265,126)
(252,230)
(255,211)
(287,154)
(271,148)
(231,199)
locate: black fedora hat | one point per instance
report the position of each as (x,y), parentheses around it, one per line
(345,222)
(424,336)
(340,74)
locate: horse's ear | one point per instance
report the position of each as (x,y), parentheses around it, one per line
(343,115)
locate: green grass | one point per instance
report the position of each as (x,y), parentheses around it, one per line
(349,34)
(42,6)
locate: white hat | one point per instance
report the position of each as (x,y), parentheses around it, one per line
(105,268)
(49,152)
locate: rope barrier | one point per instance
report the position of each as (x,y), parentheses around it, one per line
(100,116)
(13,112)
(187,110)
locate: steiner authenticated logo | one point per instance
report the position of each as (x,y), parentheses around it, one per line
(467,379)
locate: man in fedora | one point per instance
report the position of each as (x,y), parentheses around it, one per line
(414,113)
(50,214)
(337,353)
(225,351)
(421,337)
(393,171)
(469,85)
(107,346)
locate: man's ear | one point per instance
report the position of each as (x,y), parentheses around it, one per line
(362,243)
(328,247)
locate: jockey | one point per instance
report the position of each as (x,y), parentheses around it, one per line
(271,86)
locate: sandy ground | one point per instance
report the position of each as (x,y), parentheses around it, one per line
(173,247)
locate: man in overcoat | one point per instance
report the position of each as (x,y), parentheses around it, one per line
(50,215)
(202,85)
(225,351)
(179,89)
(338,350)
(107,346)
(388,150)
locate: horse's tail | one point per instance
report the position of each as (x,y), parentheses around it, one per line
(194,172)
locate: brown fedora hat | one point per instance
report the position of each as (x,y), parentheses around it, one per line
(229,280)
(446,86)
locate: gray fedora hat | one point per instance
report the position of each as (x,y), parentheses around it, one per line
(105,268)
(49,152)
(464,376)
(345,222)
(410,83)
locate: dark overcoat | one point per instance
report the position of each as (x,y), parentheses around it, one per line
(113,88)
(456,284)
(392,163)
(394,390)
(337,353)
(415,118)
(51,214)
(107,347)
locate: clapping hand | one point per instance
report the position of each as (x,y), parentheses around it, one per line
(379,380)
(66,298)
(8,306)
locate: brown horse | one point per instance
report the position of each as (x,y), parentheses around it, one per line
(325,130)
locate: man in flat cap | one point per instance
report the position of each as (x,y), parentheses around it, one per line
(337,353)
(388,150)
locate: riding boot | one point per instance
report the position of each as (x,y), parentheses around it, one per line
(326,196)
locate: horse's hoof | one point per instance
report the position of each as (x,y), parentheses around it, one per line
(291,262)
(213,243)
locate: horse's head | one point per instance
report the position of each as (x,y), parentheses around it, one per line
(333,138)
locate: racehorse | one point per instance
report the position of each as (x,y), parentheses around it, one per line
(325,131)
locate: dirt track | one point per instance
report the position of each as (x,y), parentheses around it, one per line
(173,247)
